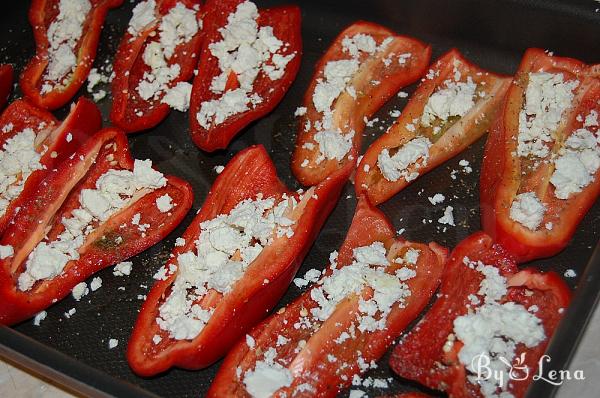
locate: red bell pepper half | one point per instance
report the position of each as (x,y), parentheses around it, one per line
(560,180)
(6,83)
(54,141)
(452,107)
(130,111)
(138,225)
(319,355)
(208,131)
(249,175)
(429,354)
(52,94)
(384,62)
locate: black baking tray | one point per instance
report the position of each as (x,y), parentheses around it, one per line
(493,34)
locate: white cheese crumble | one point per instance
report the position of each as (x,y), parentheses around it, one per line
(114,190)
(177,27)
(143,15)
(267,376)
(6,251)
(219,169)
(226,247)
(112,343)
(18,159)
(164,203)
(367,269)
(39,317)
(63,35)
(123,268)
(454,99)
(547,97)
(436,199)
(333,142)
(178,97)
(494,329)
(96,283)
(414,152)
(578,162)
(570,273)
(527,210)
(80,290)
(245,50)
(448,217)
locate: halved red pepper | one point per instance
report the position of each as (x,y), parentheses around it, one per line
(54,141)
(250,173)
(41,15)
(130,111)
(285,21)
(505,174)
(446,138)
(319,364)
(6,83)
(110,242)
(380,75)
(426,354)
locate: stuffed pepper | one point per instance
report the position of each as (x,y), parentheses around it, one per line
(364,66)
(451,109)
(66,36)
(321,343)
(154,61)
(249,59)
(489,317)
(541,169)
(231,266)
(32,144)
(98,208)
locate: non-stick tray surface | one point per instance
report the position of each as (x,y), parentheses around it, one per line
(492,34)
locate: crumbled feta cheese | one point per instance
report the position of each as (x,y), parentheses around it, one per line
(267,377)
(226,247)
(178,97)
(70,313)
(367,269)
(18,159)
(494,329)
(143,15)
(300,111)
(6,251)
(357,394)
(113,191)
(177,27)
(547,97)
(333,145)
(454,99)
(436,199)
(527,210)
(311,276)
(577,164)
(80,290)
(246,50)
(448,217)
(112,343)
(414,152)
(156,339)
(96,283)
(63,35)
(39,317)
(164,203)
(570,273)
(219,169)
(123,268)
